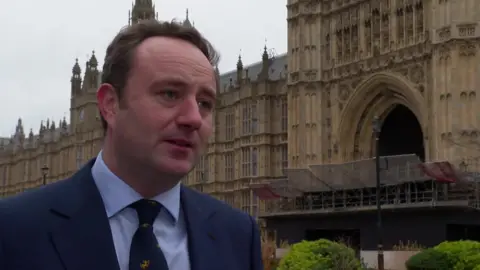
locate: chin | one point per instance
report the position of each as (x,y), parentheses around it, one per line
(175,167)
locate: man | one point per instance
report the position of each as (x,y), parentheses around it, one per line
(126,209)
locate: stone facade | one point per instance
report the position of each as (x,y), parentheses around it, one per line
(348,61)
(352,60)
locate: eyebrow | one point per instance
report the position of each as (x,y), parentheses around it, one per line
(178,82)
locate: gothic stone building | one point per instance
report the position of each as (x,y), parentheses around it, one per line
(412,63)
(250,132)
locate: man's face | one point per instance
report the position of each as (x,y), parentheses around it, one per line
(164,118)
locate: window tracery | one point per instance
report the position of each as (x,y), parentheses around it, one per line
(376,25)
(339,38)
(346,34)
(354,29)
(409,20)
(368,29)
(419,21)
(400,22)
(385,24)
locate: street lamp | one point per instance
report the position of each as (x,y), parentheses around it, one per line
(44,173)
(377,127)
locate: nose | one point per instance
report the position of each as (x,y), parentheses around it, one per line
(189,116)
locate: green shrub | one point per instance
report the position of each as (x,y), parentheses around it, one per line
(429,259)
(319,255)
(456,255)
(464,255)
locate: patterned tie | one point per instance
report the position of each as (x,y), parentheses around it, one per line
(145,253)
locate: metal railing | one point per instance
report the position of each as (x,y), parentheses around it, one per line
(406,183)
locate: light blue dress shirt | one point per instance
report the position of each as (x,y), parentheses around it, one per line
(169,227)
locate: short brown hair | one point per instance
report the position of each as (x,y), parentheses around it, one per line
(120,52)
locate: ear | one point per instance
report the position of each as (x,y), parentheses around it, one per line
(107,102)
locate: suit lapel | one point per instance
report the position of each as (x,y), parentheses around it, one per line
(83,237)
(203,247)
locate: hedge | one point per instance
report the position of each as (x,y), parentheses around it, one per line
(319,255)
(429,259)
(456,255)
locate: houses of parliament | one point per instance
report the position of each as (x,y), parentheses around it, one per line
(411,63)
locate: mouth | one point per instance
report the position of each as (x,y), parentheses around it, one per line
(181,143)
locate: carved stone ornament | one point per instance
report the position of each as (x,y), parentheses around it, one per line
(343,92)
(468,49)
(355,83)
(417,74)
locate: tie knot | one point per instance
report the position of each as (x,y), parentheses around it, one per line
(147,211)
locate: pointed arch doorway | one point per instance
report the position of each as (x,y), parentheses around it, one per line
(401,109)
(401,133)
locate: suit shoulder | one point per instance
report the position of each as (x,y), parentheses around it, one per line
(31,202)
(233,215)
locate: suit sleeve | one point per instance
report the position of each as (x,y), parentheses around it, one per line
(3,258)
(3,262)
(256,248)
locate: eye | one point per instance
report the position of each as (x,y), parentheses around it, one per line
(208,105)
(169,94)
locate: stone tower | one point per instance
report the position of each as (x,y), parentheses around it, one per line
(84,114)
(142,10)
(455,80)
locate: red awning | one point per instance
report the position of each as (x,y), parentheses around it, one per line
(265,192)
(441,171)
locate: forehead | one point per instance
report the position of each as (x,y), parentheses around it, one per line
(166,57)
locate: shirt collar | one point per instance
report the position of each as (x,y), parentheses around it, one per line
(117,195)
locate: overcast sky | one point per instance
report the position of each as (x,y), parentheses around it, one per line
(39,41)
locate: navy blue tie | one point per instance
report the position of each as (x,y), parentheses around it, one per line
(145,253)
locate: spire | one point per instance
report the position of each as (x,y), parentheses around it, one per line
(263,75)
(265,53)
(53,126)
(19,134)
(93,61)
(63,126)
(76,70)
(187,22)
(239,62)
(142,10)
(239,69)
(41,130)
(19,128)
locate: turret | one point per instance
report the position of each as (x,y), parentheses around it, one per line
(263,75)
(63,127)
(19,136)
(239,70)
(41,131)
(53,126)
(91,77)
(76,80)
(142,10)
(30,137)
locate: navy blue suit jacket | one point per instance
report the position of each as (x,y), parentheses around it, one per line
(63,226)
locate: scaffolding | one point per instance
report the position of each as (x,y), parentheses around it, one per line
(406,182)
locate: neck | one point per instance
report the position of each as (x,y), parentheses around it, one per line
(141,178)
